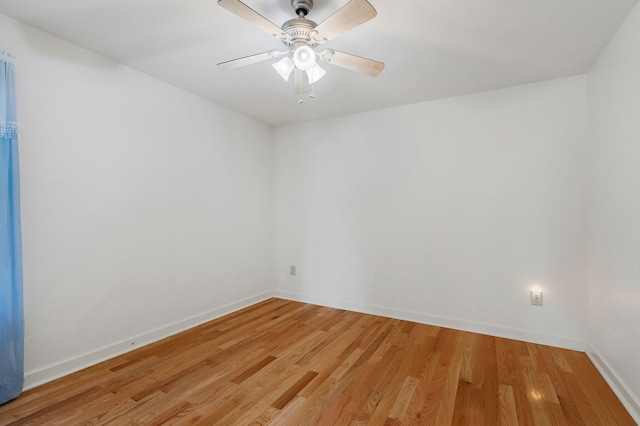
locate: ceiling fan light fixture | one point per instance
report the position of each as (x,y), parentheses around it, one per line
(301,36)
(304,58)
(284,67)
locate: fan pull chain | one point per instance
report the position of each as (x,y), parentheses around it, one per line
(312,95)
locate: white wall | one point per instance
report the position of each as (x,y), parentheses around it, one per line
(445,211)
(145,209)
(614,238)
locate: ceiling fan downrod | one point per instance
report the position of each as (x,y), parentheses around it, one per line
(302,7)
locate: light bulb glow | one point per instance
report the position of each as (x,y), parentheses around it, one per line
(304,58)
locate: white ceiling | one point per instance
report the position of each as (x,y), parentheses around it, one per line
(432,48)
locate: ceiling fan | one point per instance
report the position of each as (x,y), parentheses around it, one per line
(301,36)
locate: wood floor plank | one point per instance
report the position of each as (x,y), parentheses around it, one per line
(253,369)
(507,402)
(518,383)
(403,399)
(425,377)
(534,392)
(280,362)
(291,392)
(485,393)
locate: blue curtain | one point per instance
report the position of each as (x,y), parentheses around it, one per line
(11,314)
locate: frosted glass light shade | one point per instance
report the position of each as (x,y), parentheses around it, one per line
(284,67)
(316,73)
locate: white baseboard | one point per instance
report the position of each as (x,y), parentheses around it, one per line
(475,327)
(54,371)
(630,401)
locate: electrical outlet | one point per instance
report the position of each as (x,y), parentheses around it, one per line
(292,270)
(536,298)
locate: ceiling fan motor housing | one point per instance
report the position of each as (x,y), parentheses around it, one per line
(302,7)
(299,30)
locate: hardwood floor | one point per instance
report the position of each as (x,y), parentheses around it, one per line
(287,363)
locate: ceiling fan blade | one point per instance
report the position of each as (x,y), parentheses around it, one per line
(352,62)
(245,12)
(349,16)
(253,59)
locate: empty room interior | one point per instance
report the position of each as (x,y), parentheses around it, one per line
(470,208)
